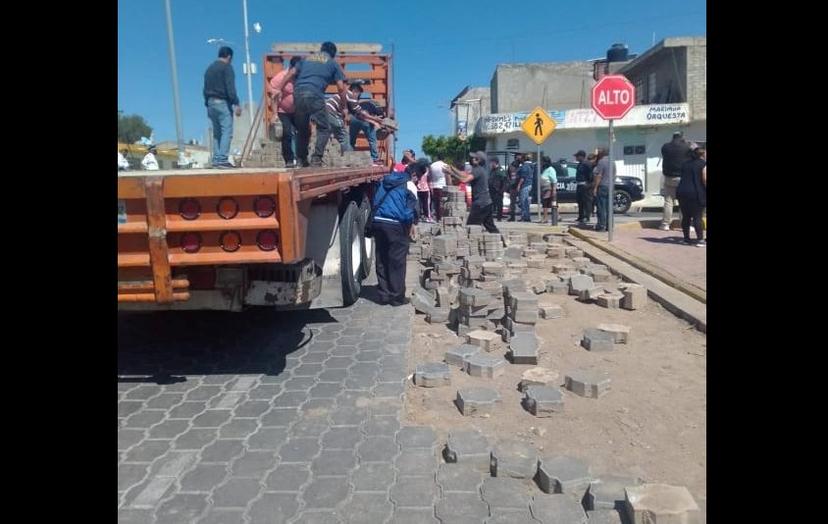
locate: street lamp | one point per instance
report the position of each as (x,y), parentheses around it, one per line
(249,69)
(179,129)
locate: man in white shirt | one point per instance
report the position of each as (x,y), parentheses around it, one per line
(123,163)
(149,162)
(437,180)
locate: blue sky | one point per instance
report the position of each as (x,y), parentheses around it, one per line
(440,46)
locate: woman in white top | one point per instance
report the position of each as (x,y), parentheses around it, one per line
(149,162)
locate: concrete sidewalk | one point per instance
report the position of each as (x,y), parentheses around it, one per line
(660,253)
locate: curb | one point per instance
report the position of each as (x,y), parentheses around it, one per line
(650,269)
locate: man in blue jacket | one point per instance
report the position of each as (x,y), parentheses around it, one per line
(395,210)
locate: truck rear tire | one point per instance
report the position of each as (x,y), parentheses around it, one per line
(368,244)
(351,245)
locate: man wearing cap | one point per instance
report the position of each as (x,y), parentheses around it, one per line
(673,155)
(481,208)
(583,191)
(313,74)
(150,163)
(221,101)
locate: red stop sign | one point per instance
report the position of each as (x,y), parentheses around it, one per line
(613,97)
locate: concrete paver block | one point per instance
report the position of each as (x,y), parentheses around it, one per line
(457,356)
(588,383)
(504,492)
(661,503)
(485,340)
(608,492)
(538,376)
(543,401)
(514,459)
(588,295)
(432,375)
(421,299)
(600,275)
(523,301)
(597,340)
(476,401)
(557,287)
(550,311)
(468,446)
(487,366)
(608,301)
(635,296)
(578,283)
(523,348)
(562,474)
(604,516)
(619,331)
(558,509)
(475,297)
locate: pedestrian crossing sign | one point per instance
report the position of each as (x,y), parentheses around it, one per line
(538,125)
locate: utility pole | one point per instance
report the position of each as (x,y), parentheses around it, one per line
(179,132)
(247,65)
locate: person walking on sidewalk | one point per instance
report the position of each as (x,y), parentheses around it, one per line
(222,102)
(673,155)
(395,210)
(313,75)
(497,185)
(583,191)
(692,194)
(481,208)
(604,176)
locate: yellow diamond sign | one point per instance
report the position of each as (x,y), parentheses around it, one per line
(538,125)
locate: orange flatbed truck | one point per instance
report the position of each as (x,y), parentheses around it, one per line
(278,237)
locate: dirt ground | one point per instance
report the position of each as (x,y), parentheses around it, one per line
(651,424)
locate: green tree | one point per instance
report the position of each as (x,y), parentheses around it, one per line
(132,127)
(452,148)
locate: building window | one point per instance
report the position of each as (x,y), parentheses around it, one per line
(640,93)
(651,88)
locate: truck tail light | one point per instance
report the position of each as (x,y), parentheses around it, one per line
(227,208)
(190,242)
(230,241)
(267,239)
(189,209)
(264,206)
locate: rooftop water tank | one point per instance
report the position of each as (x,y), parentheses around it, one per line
(618,53)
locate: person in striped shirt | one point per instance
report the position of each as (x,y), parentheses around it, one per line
(356,114)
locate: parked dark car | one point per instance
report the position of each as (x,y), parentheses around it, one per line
(628,189)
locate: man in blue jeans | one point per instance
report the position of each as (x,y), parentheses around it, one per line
(313,74)
(221,99)
(604,177)
(525,174)
(363,121)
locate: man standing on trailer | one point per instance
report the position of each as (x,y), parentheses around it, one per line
(221,99)
(313,74)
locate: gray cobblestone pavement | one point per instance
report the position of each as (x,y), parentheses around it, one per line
(289,417)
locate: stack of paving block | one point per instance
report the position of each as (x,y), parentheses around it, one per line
(443,248)
(492,246)
(555,251)
(472,270)
(521,309)
(451,225)
(476,239)
(475,306)
(493,271)
(269,155)
(444,275)
(496,308)
(517,238)
(455,203)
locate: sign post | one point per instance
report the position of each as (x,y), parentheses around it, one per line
(612,98)
(538,126)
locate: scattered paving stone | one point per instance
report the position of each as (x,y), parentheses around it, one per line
(558,509)
(503,492)
(561,474)
(589,295)
(538,376)
(608,492)
(550,311)
(476,401)
(487,366)
(604,516)
(432,375)
(608,301)
(600,275)
(661,503)
(588,383)
(523,348)
(514,459)
(468,447)
(597,340)
(635,296)
(486,340)
(578,283)
(620,331)
(437,315)
(458,355)
(543,401)
(475,297)
(422,300)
